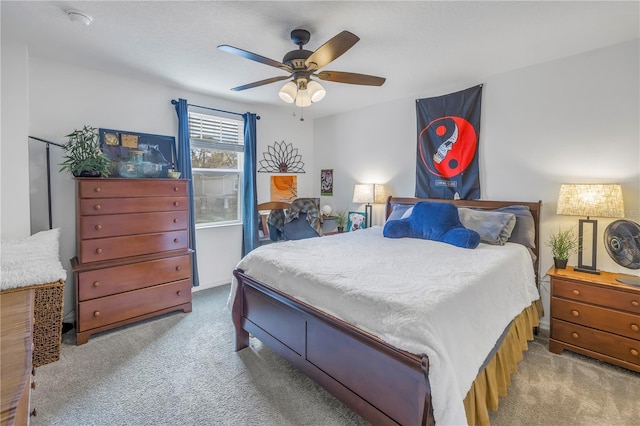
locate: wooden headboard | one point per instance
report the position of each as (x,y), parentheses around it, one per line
(534,208)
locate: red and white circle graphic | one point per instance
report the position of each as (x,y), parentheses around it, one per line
(447,146)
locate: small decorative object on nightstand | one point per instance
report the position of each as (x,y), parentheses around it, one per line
(595,315)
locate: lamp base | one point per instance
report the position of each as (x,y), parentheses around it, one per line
(587,270)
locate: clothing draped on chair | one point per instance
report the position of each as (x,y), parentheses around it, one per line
(250,216)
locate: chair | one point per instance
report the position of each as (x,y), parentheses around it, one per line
(302,220)
(272,216)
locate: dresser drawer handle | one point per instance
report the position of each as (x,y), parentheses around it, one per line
(576,292)
(175,203)
(97,189)
(33,413)
(575,335)
(175,220)
(178,292)
(33,371)
(635,327)
(178,267)
(33,385)
(634,352)
(635,303)
(175,240)
(98,227)
(96,283)
(575,313)
(96,313)
(98,251)
(97,207)
(176,189)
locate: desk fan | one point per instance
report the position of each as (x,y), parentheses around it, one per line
(622,241)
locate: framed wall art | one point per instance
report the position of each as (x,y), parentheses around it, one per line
(356,220)
(326,182)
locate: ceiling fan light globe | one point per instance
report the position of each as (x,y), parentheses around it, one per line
(303,99)
(288,92)
(316,91)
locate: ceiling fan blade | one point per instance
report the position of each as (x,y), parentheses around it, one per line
(254,57)
(351,78)
(331,50)
(260,83)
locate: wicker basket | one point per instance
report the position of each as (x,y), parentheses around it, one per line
(48,313)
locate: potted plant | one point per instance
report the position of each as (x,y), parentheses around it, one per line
(563,243)
(341,220)
(83,156)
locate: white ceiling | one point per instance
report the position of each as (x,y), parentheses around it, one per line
(416,45)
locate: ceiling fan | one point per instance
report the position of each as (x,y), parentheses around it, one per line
(301,64)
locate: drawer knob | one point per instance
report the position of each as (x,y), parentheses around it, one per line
(33,385)
(175,203)
(97,189)
(175,220)
(575,335)
(575,313)
(97,207)
(175,240)
(33,413)
(178,292)
(96,313)
(96,283)
(576,292)
(635,327)
(635,303)
(33,371)
(98,227)
(634,352)
(175,189)
(178,267)
(98,251)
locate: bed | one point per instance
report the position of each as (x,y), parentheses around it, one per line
(394,368)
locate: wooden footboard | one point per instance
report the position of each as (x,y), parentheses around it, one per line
(381,383)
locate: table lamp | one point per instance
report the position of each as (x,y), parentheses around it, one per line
(369,193)
(600,200)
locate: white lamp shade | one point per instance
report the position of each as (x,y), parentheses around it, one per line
(363,193)
(599,200)
(316,91)
(303,99)
(288,92)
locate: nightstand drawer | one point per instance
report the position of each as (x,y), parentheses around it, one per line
(114,225)
(597,295)
(593,316)
(605,343)
(117,279)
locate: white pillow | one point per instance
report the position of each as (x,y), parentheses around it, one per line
(494,227)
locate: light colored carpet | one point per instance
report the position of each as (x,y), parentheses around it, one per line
(180,369)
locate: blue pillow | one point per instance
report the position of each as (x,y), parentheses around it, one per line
(433,221)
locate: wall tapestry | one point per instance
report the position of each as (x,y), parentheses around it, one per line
(282,157)
(326,182)
(284,188)
(448,138)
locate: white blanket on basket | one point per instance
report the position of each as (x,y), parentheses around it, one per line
(417,295)
(30,261)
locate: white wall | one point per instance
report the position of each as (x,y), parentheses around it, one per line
(62,98)
(568,121)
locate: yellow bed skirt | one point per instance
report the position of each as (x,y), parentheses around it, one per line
(492,382)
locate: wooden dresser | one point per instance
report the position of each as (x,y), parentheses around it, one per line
(16,321)
(595,315)
(133,260)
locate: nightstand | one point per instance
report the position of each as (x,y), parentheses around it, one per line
(595,315)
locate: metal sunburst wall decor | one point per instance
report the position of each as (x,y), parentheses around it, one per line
(282,157)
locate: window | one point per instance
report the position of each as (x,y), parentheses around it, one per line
(217,151)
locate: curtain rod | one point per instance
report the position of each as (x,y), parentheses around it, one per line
(45,141)
(173,101)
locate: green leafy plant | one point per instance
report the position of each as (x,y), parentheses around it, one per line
(83,154)
(563,243)
(341,218)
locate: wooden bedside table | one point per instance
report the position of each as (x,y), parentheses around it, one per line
(595,315)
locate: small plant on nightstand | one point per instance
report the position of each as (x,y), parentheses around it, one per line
(563,243)
(341,220)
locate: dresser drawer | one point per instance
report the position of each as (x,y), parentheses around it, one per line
(118,279)
(605,343)
(127,224)
(118,247)
(112,188)
(597,295)
(106,310)
(132,205)
(593,316)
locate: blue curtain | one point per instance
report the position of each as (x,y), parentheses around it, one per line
(183,164)
(250,216)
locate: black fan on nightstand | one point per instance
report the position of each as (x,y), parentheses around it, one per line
(622,241)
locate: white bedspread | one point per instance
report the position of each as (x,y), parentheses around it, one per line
(417,295)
